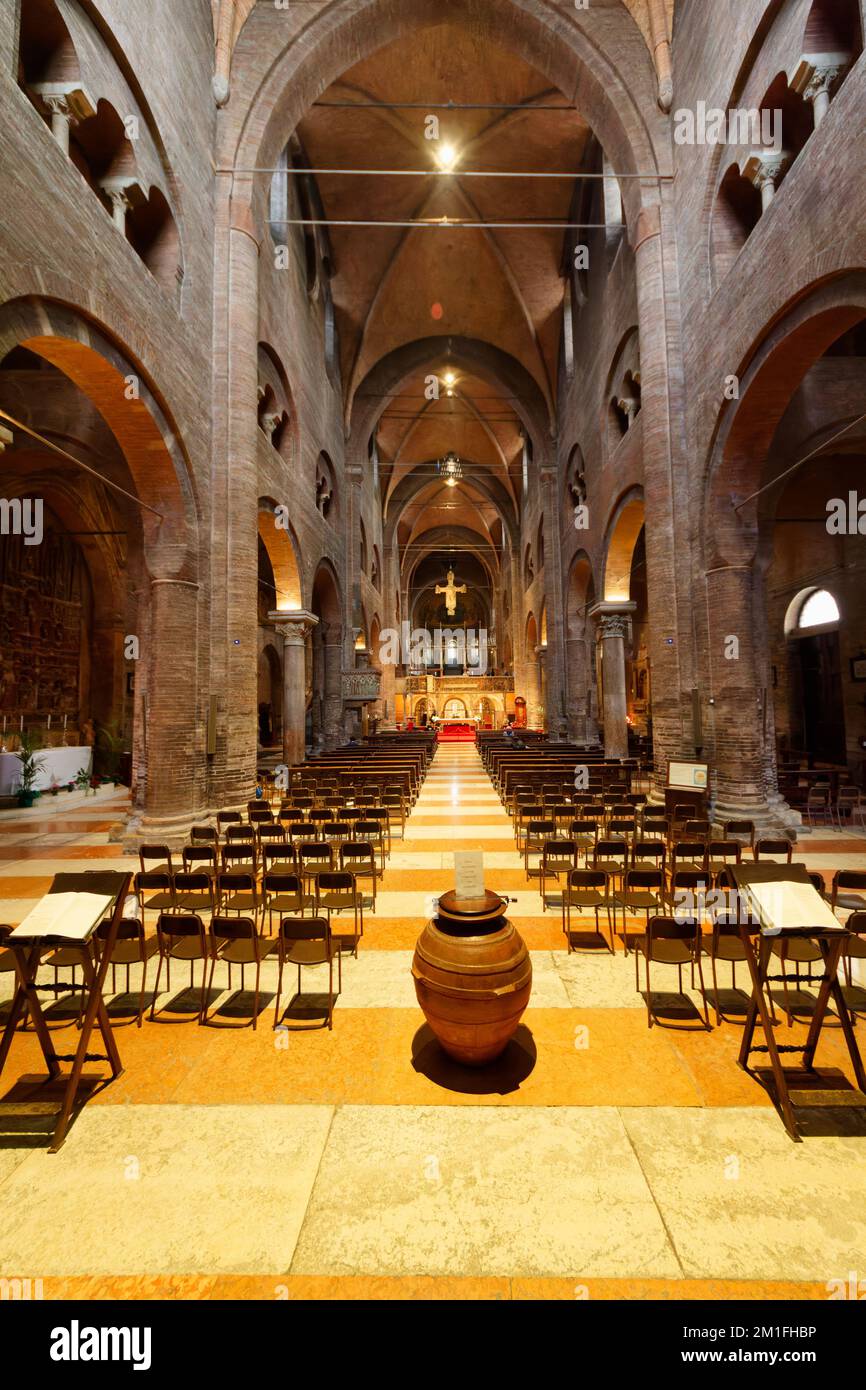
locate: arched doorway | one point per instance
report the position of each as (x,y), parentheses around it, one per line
(786,453)
(615,618)
(815,695)
(134,527)
(270,696)
(580,652)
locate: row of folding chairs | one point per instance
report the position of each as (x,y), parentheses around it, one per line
(674,936)
(274,834)
(297,845)
(617,852)
(282,887)
(182,938)
(263,823)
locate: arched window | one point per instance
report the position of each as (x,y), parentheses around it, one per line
(278,201)
(568,334)
(811,609)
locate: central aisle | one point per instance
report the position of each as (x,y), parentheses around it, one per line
(362,1162)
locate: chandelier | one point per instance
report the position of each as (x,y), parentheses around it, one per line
(451,469)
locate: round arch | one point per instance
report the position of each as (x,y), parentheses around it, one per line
(773,370)
(502,371)
(116,385)
(282,547)
(555,41)
(622,537)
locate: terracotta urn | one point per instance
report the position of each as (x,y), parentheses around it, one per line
(473,977)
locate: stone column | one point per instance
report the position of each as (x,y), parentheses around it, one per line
(118,195)
(613,629)
(816,74)
(294,628)
(67,105)
(765,172)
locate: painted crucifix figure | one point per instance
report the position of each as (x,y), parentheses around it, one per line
(450,590)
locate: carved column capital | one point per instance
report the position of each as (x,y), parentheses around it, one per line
(67,104)
(294,625)
(613,619)
(765,169)
(815,77)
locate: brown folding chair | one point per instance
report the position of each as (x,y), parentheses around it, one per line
(670,942)
(557,857)
(642,891)
(283,894)
(849,890)
(768,848)
(359,858)
(194,892)
(236,891)
(234,941)
(160,884)
(586,890)
(854,949)
(181,937)
(155,859)
(336,892)
(305,941)
(132,947)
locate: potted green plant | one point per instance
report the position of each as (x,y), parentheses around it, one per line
(109,750)
(31,762)
(82,779)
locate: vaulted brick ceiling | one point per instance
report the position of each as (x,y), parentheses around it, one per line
(395,285)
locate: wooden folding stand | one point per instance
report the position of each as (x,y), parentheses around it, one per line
(829,936)
(28,953)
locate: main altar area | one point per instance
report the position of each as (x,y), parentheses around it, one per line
(483,701)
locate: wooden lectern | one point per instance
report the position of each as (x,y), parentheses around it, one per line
(88,897)
(786,904)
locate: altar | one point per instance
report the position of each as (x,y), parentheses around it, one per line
(456,730)
(58,766)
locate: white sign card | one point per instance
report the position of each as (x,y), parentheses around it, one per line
(469,873)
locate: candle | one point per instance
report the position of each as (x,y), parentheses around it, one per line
(64,721)
(49,721)
(21,725)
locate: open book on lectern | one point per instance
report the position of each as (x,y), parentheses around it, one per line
(792,906)
(64,917)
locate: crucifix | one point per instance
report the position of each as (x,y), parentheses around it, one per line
(450,590)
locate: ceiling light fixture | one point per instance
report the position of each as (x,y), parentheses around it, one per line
(451,469)
(447,157)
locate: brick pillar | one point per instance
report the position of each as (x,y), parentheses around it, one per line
(665,494)
(236,508)
(613,631)
(739,711)
(332,686)
(168,737)
(541,659)
(582,727)
(293,628)
(554,661)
